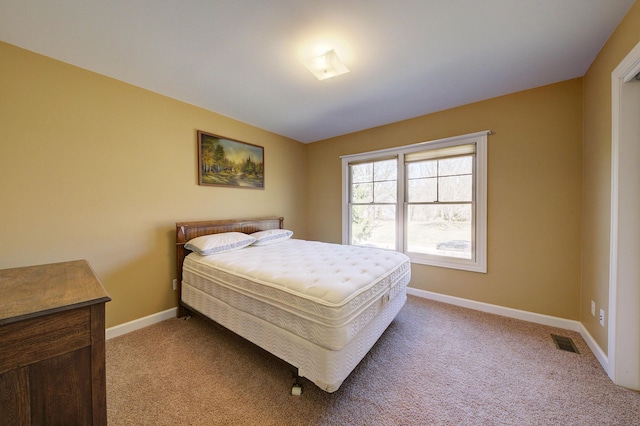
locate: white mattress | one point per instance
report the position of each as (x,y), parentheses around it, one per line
(323,293)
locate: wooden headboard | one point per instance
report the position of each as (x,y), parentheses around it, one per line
(186,231)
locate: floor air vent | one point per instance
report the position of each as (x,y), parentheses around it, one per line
(564,343)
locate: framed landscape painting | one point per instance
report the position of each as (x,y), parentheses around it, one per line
(231,163)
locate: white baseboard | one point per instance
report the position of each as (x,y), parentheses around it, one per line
(595,348)
(499,310)
(139,323)
(563,323)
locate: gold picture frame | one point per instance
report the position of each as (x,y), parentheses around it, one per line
(229,163)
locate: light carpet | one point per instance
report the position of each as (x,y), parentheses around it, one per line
(436,364)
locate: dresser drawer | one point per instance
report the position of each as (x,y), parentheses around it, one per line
(29,341)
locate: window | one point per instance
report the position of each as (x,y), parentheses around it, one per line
(427,200)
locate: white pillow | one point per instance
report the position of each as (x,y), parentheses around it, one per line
(219,243)
(271,236)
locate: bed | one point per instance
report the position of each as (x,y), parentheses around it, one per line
(318,306)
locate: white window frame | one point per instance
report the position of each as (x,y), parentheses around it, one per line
(478,262)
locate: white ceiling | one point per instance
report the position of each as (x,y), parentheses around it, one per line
(242,58)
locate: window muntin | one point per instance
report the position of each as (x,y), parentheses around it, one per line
(442,181)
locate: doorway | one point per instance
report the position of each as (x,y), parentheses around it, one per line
(624,266)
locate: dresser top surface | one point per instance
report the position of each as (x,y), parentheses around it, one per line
(33,291)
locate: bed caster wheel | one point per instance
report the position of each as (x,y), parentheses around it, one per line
(296,390)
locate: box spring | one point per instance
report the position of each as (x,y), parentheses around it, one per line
(325,367)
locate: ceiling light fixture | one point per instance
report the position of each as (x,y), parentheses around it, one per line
(326,65)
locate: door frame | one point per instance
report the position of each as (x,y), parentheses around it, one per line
(623,359)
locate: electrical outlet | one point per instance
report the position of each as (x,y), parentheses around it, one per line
(602,317)
(593,308)
(175,284)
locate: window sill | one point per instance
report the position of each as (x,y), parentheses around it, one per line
(450,263)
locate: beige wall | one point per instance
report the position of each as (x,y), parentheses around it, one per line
(597,170)
(96,169)
(534,195)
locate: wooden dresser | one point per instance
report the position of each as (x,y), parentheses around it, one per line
(52,349)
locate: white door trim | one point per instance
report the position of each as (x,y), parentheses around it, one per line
(618,356)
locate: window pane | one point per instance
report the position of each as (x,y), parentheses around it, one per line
(456,166)
(362,172)
(422,190)
(385,192)
(422,169)
(455,188)
(441,230)
(362,193)
(373,225)
(385,170)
